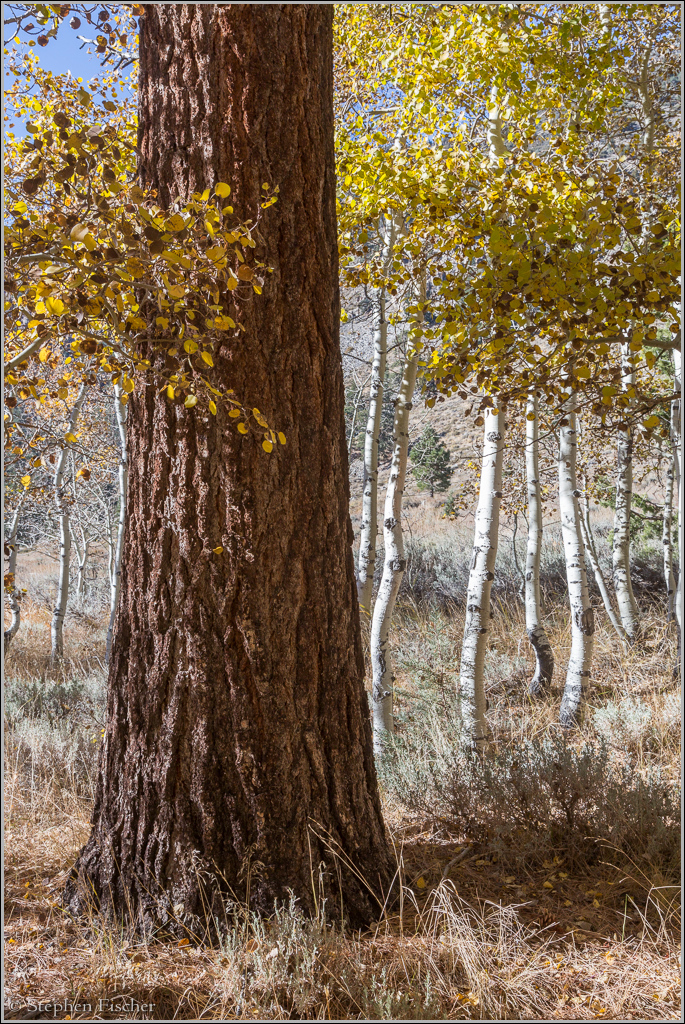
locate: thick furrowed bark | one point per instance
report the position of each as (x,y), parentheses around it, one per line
(582,619)
(60,609)
(478,615)
(115,575)
(369,526)
(238,752)
(544,656)
(395,563)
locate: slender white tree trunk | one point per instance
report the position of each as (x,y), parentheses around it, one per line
(676,441)
(115,578)
(582,619)
(60,609)
(627,605)
(481,575)
(667,538)
(591,551)
(544,656)
(13,595)
(395,563)
(82,551)
(369,526)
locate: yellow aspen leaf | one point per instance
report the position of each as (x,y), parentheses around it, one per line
(222,189)
(190,346)
(421,883)
(281,437)
(212,407)
(71,438)
(170,391)
(175,223)
(55,306)
(215,253)
(242,428)
(205,196)
(208,358)
(176,291)
(190,401)
(231,284)
(128,385)
(217,550)
(651,422)
(547,885)
(267,446)
(162,321)
(233,413)
(44,355)
(26,480)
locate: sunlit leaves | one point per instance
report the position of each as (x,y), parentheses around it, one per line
(91,257)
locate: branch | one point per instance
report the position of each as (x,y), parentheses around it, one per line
(27,352)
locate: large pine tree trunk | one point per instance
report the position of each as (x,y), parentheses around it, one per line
(544,656)
(481,575)
(582,617)
(238,751)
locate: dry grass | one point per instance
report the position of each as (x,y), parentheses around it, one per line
(471,938)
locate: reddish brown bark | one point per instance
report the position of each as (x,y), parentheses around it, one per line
(236,710)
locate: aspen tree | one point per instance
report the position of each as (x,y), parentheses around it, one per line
(582,619)
(544,656)
(369,524)
(62,507)
(394,563)
(120,412)
(11,592)
(481,575)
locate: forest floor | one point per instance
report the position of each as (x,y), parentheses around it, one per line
(543,885)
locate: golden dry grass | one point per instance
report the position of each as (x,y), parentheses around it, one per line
(467,940)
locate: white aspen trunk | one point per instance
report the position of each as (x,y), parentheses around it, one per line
(627,605)
(544,656)
(591,551)
(395,562)
(676,440)
(115,579)
(667,538)
(481,575)
(82,552)
(60,609)
(13,596)
(369,526)
(582,619)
